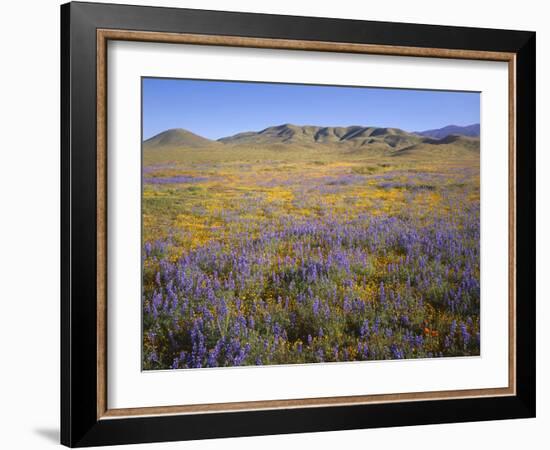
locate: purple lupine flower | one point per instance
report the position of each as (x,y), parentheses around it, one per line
(320,355)
(376,326)
(396,352)
(347,304)
(316,305)
(465,334)
(452,330)
(157,303)
(382,293)
(364,331)
(362,349)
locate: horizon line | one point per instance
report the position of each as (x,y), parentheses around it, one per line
(301,126)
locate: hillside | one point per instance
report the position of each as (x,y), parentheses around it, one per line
(287,139)
(177,137)
(352,136)
(441,133)
(452,146)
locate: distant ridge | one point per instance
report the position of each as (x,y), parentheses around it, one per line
(452,139)
(441,133)
(452,146)
(178,137)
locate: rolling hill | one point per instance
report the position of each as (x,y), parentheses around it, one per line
(452,146)
(177,137)
(354,140)
(309,135)
(441,133)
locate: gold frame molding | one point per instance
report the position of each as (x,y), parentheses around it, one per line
(103,36)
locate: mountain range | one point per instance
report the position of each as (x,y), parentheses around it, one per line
(352,137)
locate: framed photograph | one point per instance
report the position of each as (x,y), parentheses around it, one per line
(276,224)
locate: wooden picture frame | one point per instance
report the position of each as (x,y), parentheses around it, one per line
(86,418)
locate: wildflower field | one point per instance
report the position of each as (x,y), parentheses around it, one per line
(255,256)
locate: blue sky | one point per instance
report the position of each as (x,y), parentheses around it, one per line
(216,109)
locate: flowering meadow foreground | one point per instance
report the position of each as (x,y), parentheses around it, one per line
(279,256)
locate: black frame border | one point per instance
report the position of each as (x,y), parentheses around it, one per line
(79,424)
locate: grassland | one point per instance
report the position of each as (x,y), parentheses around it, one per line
(292,253)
